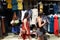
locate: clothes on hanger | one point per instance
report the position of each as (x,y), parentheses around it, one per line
(34,16)
(46,9)
(20,6)
(4,4)
(14,7)
(9,4)
(56,32)
(51,11)
(51,24)
(55,7)
(14,2)
(23,13)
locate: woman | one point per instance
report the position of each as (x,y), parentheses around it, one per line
(40,29)
(15,24)
(25,32)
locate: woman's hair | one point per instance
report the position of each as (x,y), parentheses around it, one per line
(26,15)
(40,14)
(38,8)
(14,16)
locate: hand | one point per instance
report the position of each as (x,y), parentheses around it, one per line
(23,31)
(44,21)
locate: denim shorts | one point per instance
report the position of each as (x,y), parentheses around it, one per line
(39,33)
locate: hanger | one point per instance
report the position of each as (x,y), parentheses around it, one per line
(50,15)
(55,14)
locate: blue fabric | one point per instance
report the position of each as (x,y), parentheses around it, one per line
(15,29)
(14,7)
(14,2)
(51,24)
(55,7)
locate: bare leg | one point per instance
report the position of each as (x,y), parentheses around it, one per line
(39,38)
(29,37)
(42,37)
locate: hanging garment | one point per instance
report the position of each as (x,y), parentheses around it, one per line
(9,6)
(34,16)
(59,24)
(20,6)
(3,25)
(19,0)
(55,7)
(8,1)
(46,9)
(41,7)
(48,28)
(51,24)
(45,18)
(14,2)
(14,7)
(15,29)
(56,25)
(51,11)
(4,4)
(30,12)
(58,7)
(23,13)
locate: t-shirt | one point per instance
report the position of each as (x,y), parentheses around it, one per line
(20,6)
(9,6)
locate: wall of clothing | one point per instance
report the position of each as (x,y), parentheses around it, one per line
(54,23)
(8,7)
(52,10)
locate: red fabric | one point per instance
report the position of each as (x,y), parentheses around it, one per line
(56,25)
(27,31)
(27,27)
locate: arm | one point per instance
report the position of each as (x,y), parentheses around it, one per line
(25,20)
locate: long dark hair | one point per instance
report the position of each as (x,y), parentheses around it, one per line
(26,15)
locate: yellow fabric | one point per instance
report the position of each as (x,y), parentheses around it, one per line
(41,6)
(20,6)
(8,1)
(19,0)
(41,10)
(9,6)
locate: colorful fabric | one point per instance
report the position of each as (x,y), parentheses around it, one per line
(56,25)
(14,7)
(8,1)
(20,6)
(51,24)
(9,6)
(55,8)
(27,27)
(14,2)
(15,29)
(19,0)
